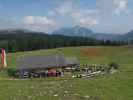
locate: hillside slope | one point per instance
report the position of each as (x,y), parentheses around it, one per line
(117,86)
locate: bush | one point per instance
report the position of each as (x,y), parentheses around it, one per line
(12,72)
(113,65)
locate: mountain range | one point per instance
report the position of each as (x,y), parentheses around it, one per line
(85,32)
(77,31)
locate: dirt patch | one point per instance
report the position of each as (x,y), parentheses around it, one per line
(92,51)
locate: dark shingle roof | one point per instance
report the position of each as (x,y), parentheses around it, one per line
(41,61)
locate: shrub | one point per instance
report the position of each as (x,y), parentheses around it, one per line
(113,65)
(12,72)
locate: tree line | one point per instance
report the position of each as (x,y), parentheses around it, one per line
(27,41)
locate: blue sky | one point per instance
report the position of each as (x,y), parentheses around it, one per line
(110,16)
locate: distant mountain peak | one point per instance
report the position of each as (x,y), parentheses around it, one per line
(85,32)
(78,27)
(74,31)
(81,28)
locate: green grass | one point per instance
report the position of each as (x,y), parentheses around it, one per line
(118,86)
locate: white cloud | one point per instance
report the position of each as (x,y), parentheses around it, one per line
(87,22)
(38,20)
(113,6)
(104,13)
(78,15)
(39,23)
(64,8)
(121,6)
(85,17)
(29,20)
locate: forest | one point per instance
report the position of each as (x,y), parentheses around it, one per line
(20,40)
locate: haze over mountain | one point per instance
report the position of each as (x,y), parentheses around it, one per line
(85,32)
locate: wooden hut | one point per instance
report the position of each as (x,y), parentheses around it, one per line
(53,63)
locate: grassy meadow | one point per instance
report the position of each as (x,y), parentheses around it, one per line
(117,86)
